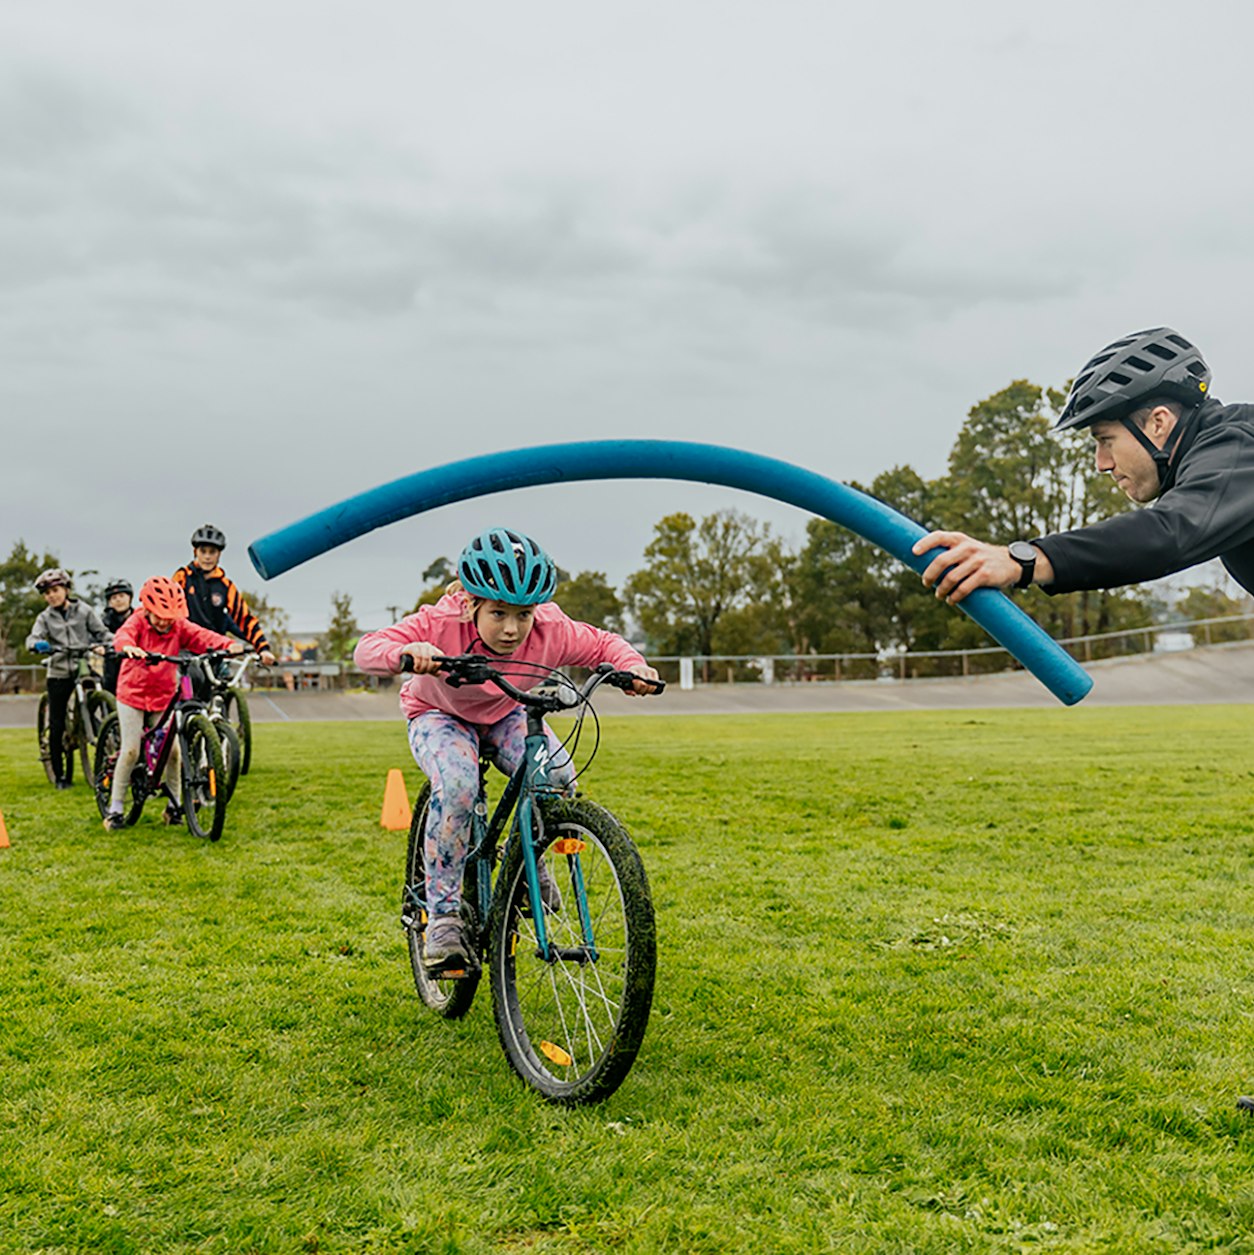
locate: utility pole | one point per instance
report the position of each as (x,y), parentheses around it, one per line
(394,611)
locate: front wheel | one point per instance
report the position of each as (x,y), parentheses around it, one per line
(231,756)
(97,707)
(572,1021)
(108,746)
(235,709)
(449,998)
(204,778)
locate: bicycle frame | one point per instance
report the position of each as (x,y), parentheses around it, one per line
(529,779)
(182,704)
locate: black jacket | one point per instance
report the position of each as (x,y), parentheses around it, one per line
(214,602)
(1205,510)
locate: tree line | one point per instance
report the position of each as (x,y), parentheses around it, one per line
(728,584)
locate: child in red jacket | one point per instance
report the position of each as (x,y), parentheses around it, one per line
(159,626)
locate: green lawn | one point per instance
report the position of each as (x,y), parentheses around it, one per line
(927,982)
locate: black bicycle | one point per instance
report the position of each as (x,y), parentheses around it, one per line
(229,707)
(184,721)
(572,981)
(89,706)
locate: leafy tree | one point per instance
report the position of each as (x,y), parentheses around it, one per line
(1214,603)
(341,636)
(590,598)
(19,602)
(274,621)
(699,573)
(1011,478)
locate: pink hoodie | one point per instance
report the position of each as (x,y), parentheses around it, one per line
(555,640)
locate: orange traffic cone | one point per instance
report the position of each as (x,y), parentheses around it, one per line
(395,817)
(4,833)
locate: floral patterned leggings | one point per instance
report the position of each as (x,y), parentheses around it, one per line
(447,750)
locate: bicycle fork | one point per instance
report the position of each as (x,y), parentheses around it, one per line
(538,756)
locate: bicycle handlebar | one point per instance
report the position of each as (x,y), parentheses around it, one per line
(182,659)
(475,669)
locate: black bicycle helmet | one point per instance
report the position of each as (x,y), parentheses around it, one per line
(503,565)
(1158,362)
(209,535)
(118,586)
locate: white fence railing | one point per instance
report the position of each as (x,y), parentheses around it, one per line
(691,670)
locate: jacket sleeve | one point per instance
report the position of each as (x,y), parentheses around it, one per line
(96,629)
(201,638)
(379,653)
(245,621)
(1209,510)
(586,646)
(125,635)
(38,630)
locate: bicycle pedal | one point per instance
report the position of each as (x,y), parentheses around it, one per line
(457,969)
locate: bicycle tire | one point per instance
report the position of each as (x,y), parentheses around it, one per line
(45,742)
(572,1028)
(97,708)
(108,746)
(449,998)
(204,778)
(241,720)
(231,753)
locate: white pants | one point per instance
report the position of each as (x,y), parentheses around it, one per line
(131,723)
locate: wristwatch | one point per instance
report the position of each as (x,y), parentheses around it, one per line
(1025,555)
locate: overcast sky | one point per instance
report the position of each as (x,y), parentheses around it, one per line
(256,257)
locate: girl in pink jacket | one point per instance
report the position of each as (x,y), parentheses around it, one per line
(498,606)
(159,626)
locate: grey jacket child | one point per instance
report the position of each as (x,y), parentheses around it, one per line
(74,625)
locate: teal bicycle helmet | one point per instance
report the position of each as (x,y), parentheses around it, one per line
(504,565)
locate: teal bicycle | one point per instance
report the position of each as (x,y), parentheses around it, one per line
(572,982)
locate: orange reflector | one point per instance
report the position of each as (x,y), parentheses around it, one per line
(213,784)
(556,1053)
(569,845)
(513,945)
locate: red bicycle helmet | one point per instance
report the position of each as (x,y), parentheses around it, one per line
(163,597)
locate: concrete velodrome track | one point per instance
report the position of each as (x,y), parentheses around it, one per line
(1219,673)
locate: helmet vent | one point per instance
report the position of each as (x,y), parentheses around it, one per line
(1138,363)
(1181,342)
(1161,351)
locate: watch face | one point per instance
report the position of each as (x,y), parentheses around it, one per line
(1021,551)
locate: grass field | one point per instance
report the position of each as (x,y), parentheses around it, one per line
(927,982)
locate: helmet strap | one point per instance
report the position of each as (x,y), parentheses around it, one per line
(1162,457)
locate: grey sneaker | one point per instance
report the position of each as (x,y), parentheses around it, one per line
(114,821)
(445,949)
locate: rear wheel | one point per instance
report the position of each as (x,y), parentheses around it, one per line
(449,998)
(235,709)
(96,708)
(204,778)
(571,1021)
(108,746)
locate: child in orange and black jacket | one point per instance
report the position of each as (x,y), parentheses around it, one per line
(213,601)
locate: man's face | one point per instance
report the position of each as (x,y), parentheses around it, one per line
(503,627)
(1121,455)
(206,556)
